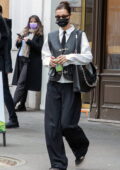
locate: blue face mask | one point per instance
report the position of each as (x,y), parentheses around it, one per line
(33,25)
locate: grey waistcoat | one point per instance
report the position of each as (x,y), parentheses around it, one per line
(56,50)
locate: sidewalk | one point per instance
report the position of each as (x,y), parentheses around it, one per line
(28,143)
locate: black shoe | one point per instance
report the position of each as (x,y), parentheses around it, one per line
(12,124)
(78,161)
(55,169)
(20,108)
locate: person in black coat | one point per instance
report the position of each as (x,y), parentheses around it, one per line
(28,69)
(6,67)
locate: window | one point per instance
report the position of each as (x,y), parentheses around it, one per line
(113,35)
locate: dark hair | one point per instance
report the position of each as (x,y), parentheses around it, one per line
(64,5)
(39,30)
(1,9)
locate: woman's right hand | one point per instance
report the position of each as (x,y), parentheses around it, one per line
(19,39)
(52,62)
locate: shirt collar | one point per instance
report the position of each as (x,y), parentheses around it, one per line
(68,31)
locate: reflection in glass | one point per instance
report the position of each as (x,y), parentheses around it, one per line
(89,18)
(113,35)
(76,6)
(76,13)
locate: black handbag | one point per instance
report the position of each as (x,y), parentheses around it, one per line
(84,76)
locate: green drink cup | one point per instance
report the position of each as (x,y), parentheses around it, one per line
(59,67)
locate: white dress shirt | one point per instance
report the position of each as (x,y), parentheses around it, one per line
(83,58)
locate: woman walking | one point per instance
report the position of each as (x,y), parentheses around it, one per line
(28,69)
(6,68)
(62,110)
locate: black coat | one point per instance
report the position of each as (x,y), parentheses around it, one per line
(5,45)
(34,73)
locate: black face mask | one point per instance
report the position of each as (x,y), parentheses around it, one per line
(62,22)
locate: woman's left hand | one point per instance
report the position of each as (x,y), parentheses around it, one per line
(61,59)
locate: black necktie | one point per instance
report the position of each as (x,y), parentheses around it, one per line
(63,39)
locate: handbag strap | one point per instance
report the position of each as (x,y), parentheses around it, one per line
(78,41)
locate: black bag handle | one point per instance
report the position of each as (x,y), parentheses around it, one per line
(78,41)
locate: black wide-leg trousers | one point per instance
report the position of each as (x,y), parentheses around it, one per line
(62,114)
(8,99)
